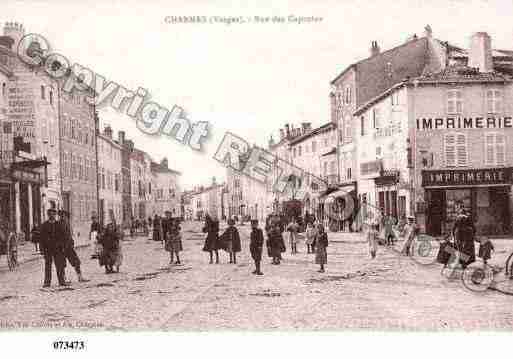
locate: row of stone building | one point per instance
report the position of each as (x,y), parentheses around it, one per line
(419,130)
(52,154)
(203,200)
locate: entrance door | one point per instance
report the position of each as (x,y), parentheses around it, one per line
(381,201)
(435,212)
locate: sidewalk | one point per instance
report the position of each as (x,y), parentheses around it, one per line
(27,253)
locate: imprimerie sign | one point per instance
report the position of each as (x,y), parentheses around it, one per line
(470,177)
(448,123)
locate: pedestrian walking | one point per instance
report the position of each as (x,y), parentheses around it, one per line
(321,254)
(52,247)
(35,237)
(157,228)
(464,232)
(311,232)
(293,229)
(94,232)
(172,237)
(389,222)
(109,239)
(485,249)
(372,239)
(410,232)
(69,247)
(212,244)
(275,243)
(231,241)
(256,244)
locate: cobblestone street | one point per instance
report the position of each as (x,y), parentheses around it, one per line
(356,292)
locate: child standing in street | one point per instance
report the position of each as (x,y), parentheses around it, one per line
(255,245)
(311,232)
(485,249)
(231,241)
(372,238)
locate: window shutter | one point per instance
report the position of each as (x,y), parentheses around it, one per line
(500,144)
(461,149)
(489,149)
(450,150)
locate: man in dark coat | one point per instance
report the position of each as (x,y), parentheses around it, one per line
(255,245)
(69,247)
(275,242)
(52,246)
(464,232)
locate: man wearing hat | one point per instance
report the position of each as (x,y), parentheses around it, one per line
(69,248)
(52,246)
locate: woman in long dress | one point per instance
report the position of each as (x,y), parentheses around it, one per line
(212,244)
(110,240)
(275,243)
(311,232)
(321,255)
(231,241)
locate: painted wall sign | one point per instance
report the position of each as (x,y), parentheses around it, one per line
(448,123)
(470,177)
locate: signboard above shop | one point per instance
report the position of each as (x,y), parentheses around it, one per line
(464,123)
(468,177)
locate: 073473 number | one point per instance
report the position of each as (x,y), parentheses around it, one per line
(68,345)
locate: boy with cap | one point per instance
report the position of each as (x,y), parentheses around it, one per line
(255,245)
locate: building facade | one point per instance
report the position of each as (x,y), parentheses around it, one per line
(109,176)
(165,190)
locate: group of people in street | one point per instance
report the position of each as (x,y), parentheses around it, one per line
(228,241)
(57,246)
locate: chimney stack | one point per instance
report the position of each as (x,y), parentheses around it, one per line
(480,55)
(271,141)
(374,50)
(307,126)
(428,32)
(287,130)
(107,131)
(15,31)
(121,137)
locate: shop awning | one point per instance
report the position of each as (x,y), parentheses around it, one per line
(339,193)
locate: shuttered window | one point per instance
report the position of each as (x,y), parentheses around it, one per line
(493,101)
(454,102)
(495,149)
(455,150)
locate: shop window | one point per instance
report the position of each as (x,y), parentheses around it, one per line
(493,101)
(455,150)
(454,102)
(495,149)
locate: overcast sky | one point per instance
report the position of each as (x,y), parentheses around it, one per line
(250,79)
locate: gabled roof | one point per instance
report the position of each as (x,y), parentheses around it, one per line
(326,127)
(157,167)
(462,73)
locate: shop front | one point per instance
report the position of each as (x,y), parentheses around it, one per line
(485,193)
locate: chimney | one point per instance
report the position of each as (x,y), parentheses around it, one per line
(121,137)
(282,134)
(164,163)
(374,50)
(306,126)
(428,32)
(107,131)
(271,141)
(15,31)
(480,55)
(287,130)
(6,41)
